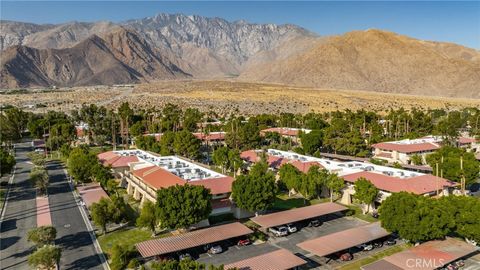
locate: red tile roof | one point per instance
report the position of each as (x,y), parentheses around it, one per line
(191,239)
(331,243)
(297,214)
(282,131)
(281,259)
(115,160)
(91,193)
(215,136)
(157,178)
(218,185)
(464,140)
(435,254)
(419,184)
(407,148)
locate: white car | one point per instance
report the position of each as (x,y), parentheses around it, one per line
(365,247)
(215,250)
(291,228)
(279,231)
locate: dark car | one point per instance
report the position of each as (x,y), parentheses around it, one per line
(390,242)
(314,223)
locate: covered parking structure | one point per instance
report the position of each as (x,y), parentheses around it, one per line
(193,239)
(427,256)
(329,244)
(281,259)
(297,214)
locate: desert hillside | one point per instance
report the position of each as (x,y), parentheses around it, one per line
(378,61)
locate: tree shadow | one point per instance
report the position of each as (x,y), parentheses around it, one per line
(8,241)
(90,262)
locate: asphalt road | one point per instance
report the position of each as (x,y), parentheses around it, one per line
(20,215)
(78,251)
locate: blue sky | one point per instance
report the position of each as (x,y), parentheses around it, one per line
(457,22)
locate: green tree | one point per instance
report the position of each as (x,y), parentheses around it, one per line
(256,191)
(148,217)
(37,159)
(117,208)
(42,235)
(121,255)
(449,159)
(312,182)
(416,218)
(291,177)
(138,129)
(7,162)
(365,192)
(166,143)
(220,157)
(39,178)
(45,257)
(334,183)
(80,164)
(101,213)
(191,117)
(312,141)
(416,159)
(186,144)
(465,212)
(182,206)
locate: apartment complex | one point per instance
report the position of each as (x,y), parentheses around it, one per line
(143,174)
(388,180)
(403,150)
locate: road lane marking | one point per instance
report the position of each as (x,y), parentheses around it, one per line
(96,245)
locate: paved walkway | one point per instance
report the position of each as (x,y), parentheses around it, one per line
(20,215)
(43,212)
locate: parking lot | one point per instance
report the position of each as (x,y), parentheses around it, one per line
(331,224)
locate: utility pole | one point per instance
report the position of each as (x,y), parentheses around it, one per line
(463,175)
(436,179)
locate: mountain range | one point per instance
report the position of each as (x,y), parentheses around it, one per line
(175,46)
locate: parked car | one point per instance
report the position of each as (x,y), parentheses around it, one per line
(365,247)
(377,244)
(279,231)
(291,228)
(243,242)
(215,249)
(390,242)
(184,256)
(314,223)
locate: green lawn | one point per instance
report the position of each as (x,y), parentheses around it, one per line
(127,237)
(375,257)
(358,214)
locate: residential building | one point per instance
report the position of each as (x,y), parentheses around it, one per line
(388,180)
(208,138)
(403,150)
(147,173)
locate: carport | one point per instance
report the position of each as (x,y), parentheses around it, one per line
(281,259)
(427,256)
(339,241)
(191,239)
(297,214)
